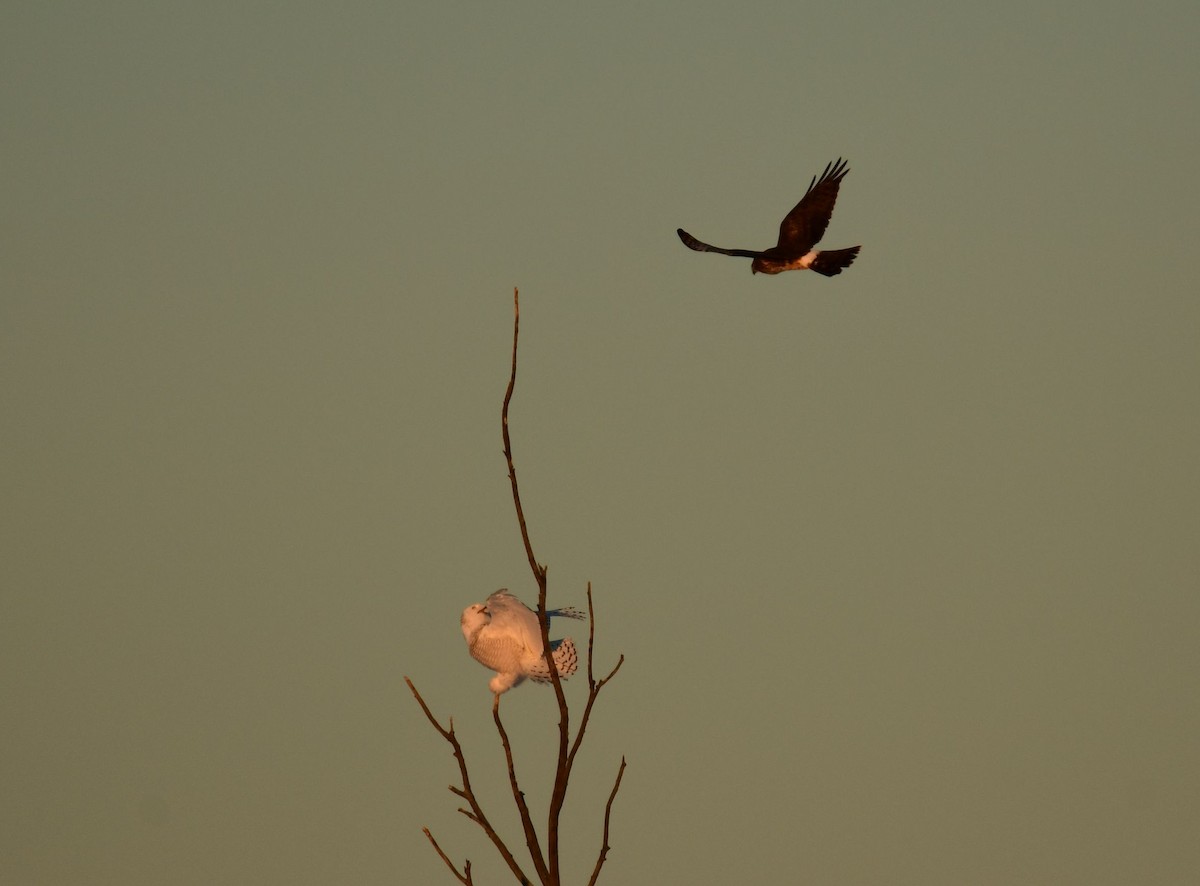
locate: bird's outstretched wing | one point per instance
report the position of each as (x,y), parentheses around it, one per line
(692,243)
(803,227)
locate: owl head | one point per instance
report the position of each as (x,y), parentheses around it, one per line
(473,618)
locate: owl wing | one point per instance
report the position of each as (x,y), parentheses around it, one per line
(513,618)
(803,227)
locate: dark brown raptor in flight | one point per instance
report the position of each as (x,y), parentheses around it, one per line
(799,232)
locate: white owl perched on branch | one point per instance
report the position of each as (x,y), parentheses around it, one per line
(504,635)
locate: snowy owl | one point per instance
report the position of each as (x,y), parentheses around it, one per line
(504,635)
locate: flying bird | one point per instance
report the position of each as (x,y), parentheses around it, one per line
(800,230)
(504,634)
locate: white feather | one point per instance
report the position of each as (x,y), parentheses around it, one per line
(503,634)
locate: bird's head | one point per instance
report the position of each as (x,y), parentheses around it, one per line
(473,618)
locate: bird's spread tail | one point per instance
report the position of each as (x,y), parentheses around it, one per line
(830,262)
(566,659)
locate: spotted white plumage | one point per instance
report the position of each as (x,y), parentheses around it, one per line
(503,634)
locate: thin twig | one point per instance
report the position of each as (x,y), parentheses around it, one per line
(604,847)
(539,572)
(593,686)
(591,636)
(465,876)
(531,837)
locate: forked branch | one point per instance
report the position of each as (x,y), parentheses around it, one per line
(465,876)
(594,687)
(545,861)
(475,812)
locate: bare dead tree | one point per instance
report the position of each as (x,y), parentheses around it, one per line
(545,860)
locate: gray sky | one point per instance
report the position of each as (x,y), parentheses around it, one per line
(904,563)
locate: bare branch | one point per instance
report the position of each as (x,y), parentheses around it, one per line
(539,572)
(545,862)
(604,847)
(594,687)
(531,837)
(465,876)
(476,813)
(592,684)
(562,769)
(591,636)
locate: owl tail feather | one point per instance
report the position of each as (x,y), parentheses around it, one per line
(830,262)
(566,659)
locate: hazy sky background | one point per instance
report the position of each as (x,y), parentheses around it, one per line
(904,563)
